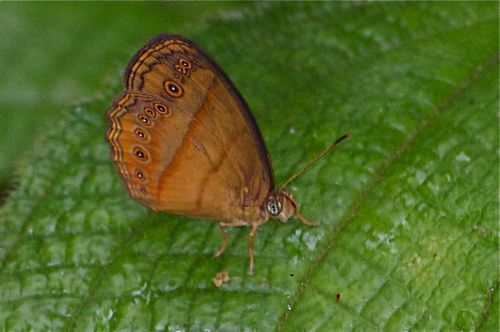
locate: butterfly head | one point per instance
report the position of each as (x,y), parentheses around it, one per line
(280,205)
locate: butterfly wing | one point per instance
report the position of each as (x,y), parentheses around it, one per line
(183,138)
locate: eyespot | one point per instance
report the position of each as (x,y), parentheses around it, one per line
(274,207)
(140,154)
(144,120)
(143,190)
(173,89)
(162,109)
(140,175)
(184,63)
(149,112)
(141,134)
(180,69)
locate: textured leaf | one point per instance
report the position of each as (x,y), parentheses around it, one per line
(408,206)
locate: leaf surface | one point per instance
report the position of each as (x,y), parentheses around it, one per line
(408,207)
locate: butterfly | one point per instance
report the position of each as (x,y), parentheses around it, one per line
(184,141)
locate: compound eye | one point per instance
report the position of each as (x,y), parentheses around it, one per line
(274,207)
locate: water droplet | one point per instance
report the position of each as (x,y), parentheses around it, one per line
(311,240)
(462,157)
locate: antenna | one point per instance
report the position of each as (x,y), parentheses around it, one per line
(315,159)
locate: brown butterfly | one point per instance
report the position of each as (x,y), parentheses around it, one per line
(185,142)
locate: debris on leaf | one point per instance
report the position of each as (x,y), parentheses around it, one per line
(220,278)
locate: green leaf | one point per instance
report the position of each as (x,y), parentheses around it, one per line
(408,207)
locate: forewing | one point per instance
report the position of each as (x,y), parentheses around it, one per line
(206,157)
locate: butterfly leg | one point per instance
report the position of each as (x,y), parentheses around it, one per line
(251,235)
(225,238)
(296,212)
(304,220)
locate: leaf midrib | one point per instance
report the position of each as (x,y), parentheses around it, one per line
(352,212)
